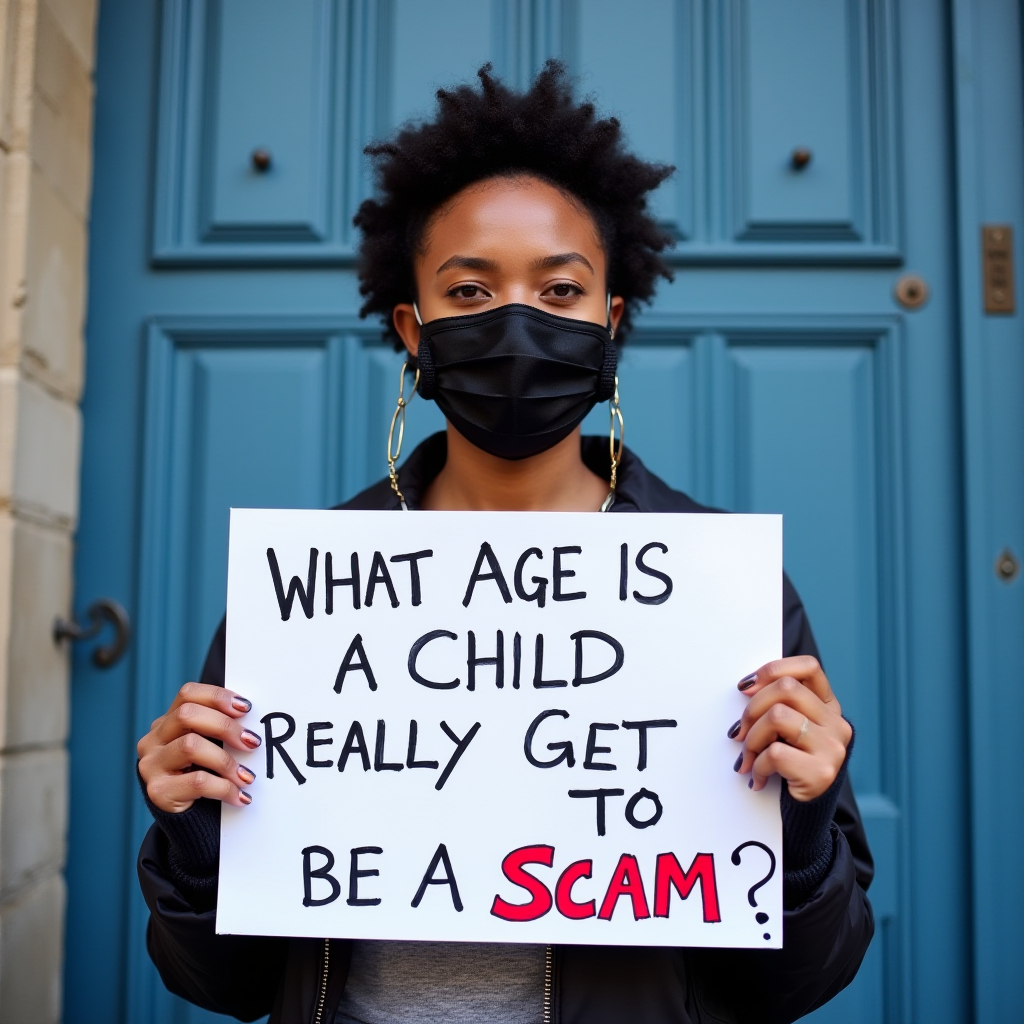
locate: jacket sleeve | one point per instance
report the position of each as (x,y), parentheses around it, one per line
(232,974)
(825,937)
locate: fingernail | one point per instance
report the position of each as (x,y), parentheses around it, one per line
(747,681)
(244,797)
(246,775)
(241,704)
(750,784)
(734,730)
(250,739)
(739,761)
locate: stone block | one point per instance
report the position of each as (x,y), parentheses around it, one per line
(33,817)
(14,218)
(54,313)
(17,49)
(31,954)
(77,19)
(35,587)
(42,476)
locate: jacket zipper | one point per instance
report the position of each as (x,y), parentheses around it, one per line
(319,1016)
(549,964)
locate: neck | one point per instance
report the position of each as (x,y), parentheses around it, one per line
(553,481)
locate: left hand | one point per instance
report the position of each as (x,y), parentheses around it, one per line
(793,725)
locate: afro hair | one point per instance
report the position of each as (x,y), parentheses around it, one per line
(493,131)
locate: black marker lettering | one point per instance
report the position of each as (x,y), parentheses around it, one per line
(517,659)
(350,664)
(355,743)
(278,742)
(495,574)
(539,681)
(498,661)
(440,855)
(414,653)
(410,759)
(599,795)
(379,764)
(623,571)
(295,587)
(643,794)
(355,873)
(414,571)
(379,574)
(642,727)
(657,574)
(558,574)
(593,748)
(460,749)
(541,581)
(351,581)
(565,746)
(324,872)
(312,742)
(579,679)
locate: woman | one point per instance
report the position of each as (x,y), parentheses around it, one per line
(509,244)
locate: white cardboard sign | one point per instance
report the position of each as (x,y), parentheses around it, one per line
(505,727)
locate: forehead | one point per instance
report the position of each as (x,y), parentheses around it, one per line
(496,210)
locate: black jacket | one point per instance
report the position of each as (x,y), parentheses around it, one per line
(827,927)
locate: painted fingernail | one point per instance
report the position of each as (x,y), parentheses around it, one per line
(747,681)
(750,784)
(739,761)
(734,730)
(250,739)
(241,704)
(247,776)
(244,797)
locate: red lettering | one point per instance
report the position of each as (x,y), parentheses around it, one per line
(626,881)
(669,873)
(512,868)
(567,906)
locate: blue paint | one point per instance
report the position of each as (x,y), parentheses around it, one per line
(226,365)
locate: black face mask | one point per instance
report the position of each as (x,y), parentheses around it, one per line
(515,380)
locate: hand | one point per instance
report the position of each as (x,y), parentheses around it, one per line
(793,725)
(179,745)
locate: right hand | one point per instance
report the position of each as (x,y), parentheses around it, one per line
(179,746)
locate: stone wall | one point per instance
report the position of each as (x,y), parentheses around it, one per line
(46,96)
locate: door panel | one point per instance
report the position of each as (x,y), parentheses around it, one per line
(227,366)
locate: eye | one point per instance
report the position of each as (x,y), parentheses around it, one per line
(563,291)
(467,291)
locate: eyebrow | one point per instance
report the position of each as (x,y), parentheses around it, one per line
(563,259)
(466,263)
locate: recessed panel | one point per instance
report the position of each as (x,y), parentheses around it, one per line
(268,99)
(806,446)
(638,60)
(799,87)
(656,391)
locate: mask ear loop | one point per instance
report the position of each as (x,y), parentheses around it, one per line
(399,419)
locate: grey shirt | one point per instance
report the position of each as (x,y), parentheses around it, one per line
(443,983)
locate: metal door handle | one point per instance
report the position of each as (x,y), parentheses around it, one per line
(99,613)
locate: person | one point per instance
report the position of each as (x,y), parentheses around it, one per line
(508,249)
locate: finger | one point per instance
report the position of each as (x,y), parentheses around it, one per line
(781,722)
(226,701)
(803,668)
(193,750)
(807,775)
(207,722)
(177,793)
(789,691)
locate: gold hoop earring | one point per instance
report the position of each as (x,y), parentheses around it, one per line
(615,413)
(399,419)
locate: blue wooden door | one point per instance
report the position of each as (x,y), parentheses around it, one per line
(227,366)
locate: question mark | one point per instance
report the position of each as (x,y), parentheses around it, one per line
(761,917)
